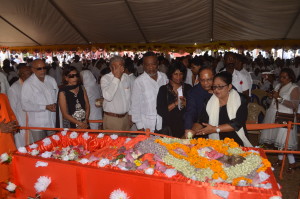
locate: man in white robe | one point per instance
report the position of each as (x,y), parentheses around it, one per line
(39,97)
(14,95)
(144,94)
(56,72)
(4,85)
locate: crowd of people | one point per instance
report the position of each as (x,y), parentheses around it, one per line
(201,96)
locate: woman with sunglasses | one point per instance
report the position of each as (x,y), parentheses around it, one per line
(286,96)
(73,101)
(225,113)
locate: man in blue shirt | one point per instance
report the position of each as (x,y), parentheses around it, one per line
(197,96)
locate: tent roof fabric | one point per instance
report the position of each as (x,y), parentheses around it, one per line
(65,22)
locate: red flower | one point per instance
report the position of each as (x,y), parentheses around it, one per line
(241,82)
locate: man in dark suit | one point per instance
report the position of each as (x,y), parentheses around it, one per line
(197,96)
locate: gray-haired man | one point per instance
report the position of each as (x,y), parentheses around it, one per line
(116,92)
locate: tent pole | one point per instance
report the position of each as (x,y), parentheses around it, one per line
(20,30)
(68,20)
(292,24)
(212,21)
(136,21)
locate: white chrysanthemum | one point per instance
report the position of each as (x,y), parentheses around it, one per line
(266,186)
(127,140)
(22,150)
(118,194)
(33,146)
(4,157)
(72,156)
(73,135)
(46,141)
(114,136)
(189,135)
(149,171)
(86,136)
(83,161)
(11,187)
(55,137)
(103,162)
(41,164)
(42,184)
(170,172)
(263,176)
(221,193)
(46,154)
(63,133)
(242,183)
(34,152)
(275,197)
(101,135)
(65,158)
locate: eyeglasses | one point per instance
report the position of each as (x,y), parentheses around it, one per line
(41,68)
(73,75)
(218,87)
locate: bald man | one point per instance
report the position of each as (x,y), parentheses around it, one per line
(38,99)
(14,96)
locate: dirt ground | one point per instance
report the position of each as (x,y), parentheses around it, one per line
(291,181)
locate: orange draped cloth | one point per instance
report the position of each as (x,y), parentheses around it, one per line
(7,144)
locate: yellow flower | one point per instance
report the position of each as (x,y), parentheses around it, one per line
(137,163)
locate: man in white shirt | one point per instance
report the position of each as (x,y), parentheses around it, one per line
(77,64)
(144,94)
(14,95)
(237,78)
(243,76)
(116,92)
(38,98)
(4,85)
(56,72)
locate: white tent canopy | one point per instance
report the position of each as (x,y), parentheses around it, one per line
(62,22)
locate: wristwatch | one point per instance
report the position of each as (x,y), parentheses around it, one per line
(218,129)
(280,100)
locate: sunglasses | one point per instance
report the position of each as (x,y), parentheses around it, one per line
(73,75)
(218,87)
(41,68)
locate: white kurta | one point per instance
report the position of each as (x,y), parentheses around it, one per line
(93,93)
(143,101)
(4,85)
(35,96)
(278,135)
(14,96)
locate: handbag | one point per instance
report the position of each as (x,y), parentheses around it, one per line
(284,118)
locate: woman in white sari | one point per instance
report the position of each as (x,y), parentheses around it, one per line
(225,113)
(287,95)
(93,93)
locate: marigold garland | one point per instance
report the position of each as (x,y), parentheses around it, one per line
(226,146)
